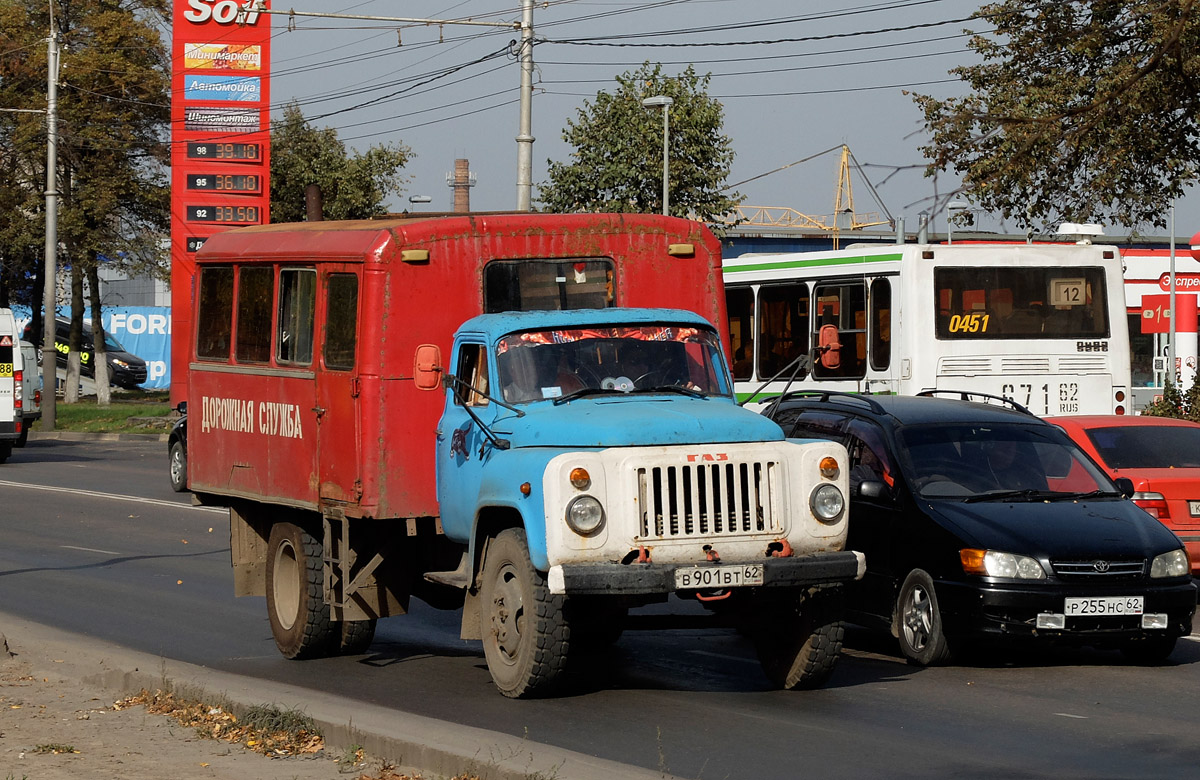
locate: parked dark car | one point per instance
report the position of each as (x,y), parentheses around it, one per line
(177,451)
(982,522)
(125,369)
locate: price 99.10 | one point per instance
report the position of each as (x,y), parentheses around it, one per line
(238,215)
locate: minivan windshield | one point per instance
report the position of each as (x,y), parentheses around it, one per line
(552,364)
(997,461)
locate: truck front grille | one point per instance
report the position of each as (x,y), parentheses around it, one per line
(707,499)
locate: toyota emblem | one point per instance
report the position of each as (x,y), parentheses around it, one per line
(1100,566)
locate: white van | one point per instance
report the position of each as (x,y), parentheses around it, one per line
(31,396)
(11,390)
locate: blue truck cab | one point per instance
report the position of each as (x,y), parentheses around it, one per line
(595,460)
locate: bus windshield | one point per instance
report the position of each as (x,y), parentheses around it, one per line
(542,364)
(1021,302)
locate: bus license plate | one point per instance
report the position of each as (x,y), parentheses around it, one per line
(1110,605)
(719,576)
(1194,508)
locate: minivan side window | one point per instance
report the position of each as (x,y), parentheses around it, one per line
(297,302)
(214,312)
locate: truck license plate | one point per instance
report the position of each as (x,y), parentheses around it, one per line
(719,576)
(1110,605)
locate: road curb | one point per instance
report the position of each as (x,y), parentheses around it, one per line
(435,747)
(81,436)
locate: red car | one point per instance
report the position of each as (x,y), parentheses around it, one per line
(1162,457)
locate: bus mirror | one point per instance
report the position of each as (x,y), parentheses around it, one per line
(427,367)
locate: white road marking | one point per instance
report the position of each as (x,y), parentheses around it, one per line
(89,549)
(96,494)
(1069,715)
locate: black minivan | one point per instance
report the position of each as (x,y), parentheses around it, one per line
(982,522)
(125,369)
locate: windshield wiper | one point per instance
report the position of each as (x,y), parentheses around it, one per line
(1028,494)
(673,389)
(583,391)
(1085,494)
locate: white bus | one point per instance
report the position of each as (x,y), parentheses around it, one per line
(1041,324)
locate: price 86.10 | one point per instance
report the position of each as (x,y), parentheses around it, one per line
(237,215)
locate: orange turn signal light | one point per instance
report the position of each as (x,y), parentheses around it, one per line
(580,478)
(829,467)
(972,561)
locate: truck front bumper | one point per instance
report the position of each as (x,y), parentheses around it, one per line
(617,579)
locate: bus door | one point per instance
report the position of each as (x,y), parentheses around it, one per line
(290,417)
(339,434)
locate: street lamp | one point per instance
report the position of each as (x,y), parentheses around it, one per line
(954,205)
(665,102)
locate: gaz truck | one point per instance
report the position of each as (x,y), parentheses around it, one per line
(525,417)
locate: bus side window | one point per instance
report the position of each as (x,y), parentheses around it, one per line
(739,303)
(254,314)
(297,303)
(214,313)
(341,321)
(881,324)
(782,327)
(841,330)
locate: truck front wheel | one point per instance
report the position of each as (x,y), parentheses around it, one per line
(295,594)
(525,633)
(799,643)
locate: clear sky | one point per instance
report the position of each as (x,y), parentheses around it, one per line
(796,77)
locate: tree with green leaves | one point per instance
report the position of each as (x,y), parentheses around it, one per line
(113,123)
(1079,110)
(617,160)
(352,186)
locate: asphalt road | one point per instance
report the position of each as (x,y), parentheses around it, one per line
(104,548)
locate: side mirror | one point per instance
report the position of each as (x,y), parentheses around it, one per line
(1125,485)
(181,407)
(427,367)
(874,490)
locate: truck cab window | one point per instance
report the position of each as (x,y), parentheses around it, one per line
(214,312)
(548,285)
(297,302)
(472,370)
(254,314)
(341,321)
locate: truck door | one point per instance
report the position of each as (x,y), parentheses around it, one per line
(338,429)
(461,446)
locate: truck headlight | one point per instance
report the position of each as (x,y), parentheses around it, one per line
(1172,564)
(585,515)
(827,503)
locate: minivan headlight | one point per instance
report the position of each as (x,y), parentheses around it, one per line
(1172,564)
(993,563)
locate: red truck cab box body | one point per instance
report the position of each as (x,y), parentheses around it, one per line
(342,425)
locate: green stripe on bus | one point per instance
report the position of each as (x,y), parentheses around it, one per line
(814,262)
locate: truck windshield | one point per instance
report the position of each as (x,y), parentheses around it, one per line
(546,364)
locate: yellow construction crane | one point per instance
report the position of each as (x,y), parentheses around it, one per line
(843,218)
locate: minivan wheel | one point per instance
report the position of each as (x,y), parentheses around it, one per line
(1150,651)
(918,622)
(177,464)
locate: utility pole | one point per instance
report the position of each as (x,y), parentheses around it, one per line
(525,130)
(50,297)
(525,133)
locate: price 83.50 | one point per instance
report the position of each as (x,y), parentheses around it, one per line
(236,215)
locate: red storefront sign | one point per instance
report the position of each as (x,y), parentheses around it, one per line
(220,141)
(1183,282)
(1156,313)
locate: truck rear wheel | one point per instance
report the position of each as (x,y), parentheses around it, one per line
(799,644)
(356,636)
(295,594)
(525,633)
